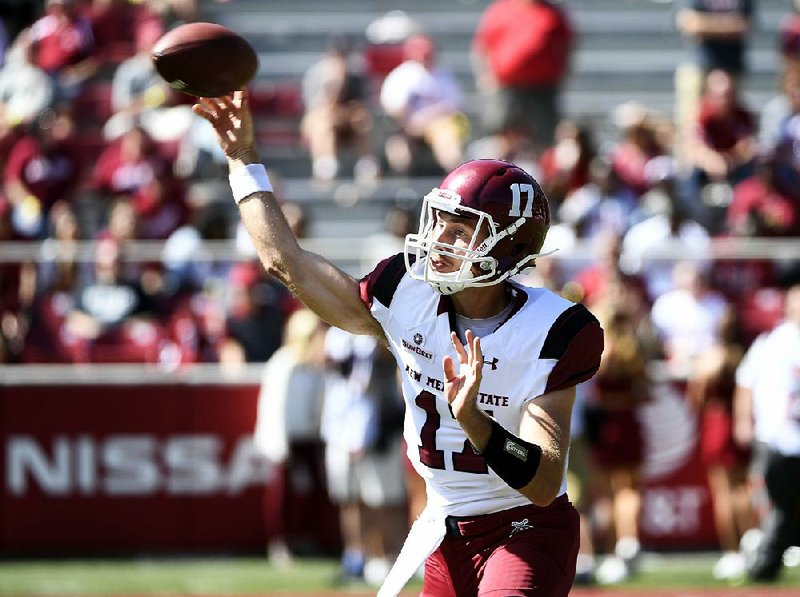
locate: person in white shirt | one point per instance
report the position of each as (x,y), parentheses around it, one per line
(688,317)
(425,102)
(772,376)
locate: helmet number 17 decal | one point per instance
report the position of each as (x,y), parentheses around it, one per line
(518,190)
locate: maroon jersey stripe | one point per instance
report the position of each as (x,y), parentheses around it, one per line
(564,329)
(382,282)
(580,358)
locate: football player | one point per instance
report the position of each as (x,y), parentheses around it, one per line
(489,366)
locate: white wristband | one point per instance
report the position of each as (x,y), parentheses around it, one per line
(248,180)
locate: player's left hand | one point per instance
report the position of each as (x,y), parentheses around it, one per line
(461,388)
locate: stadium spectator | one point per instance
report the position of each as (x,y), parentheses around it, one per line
(769,413)
(764,204)
(134,166)
(521,76)
(615,433)
(64,232)
(594,280)
(639,152)
(703,311)
(161,208)
(780,122)
(63,46)
(57,281)
(185,256)
(136,87)
(669,226)
(25,89)
(113,315)
(565,166)
(122,221)
(42,167)
(723,148)
(115,28)
(363,457)
(129,164)
(778,111)
(424,100)
(257,306)
(717,35)
(605,205)
(287,434)
(337,114)
(710,389)
(16,292)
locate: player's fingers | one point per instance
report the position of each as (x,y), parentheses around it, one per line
(477,356)
(209,106)
(203,112)
(449,368)
(475,352)
(462,354)
(228,103)
(238,99)
(223,105)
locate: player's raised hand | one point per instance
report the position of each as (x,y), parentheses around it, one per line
(461,387)
(232,121)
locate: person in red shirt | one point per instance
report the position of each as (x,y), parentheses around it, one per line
(521,50)
(565,165)
(761,207)
(129,164)
(42,168)
(63,45)
(132,166)
(724,147)
(638,149)
(115,25)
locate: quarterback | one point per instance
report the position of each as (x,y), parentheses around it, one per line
(489,366)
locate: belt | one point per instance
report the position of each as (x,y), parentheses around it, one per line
(516,519)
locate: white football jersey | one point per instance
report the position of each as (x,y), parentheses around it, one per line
(772,373)
(533,352)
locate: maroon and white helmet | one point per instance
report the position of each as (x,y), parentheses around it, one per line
(503,199)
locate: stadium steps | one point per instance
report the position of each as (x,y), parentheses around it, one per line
(626,50)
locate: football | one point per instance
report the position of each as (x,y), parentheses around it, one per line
(204,59)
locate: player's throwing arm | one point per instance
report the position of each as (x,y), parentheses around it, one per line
(325,289)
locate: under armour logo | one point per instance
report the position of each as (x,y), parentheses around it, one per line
(519,526)
(492,363)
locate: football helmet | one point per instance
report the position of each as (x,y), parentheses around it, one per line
(505,201)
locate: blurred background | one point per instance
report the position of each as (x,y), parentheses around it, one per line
(161,395)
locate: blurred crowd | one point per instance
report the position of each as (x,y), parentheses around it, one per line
(94,146)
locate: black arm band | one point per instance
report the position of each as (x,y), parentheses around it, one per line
(513,459)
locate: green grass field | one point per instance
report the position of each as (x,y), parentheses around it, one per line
(254,576)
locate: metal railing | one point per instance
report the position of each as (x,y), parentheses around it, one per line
(341,249)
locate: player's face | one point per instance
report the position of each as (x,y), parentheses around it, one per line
(457,231)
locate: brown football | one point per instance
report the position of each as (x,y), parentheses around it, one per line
(204,59)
